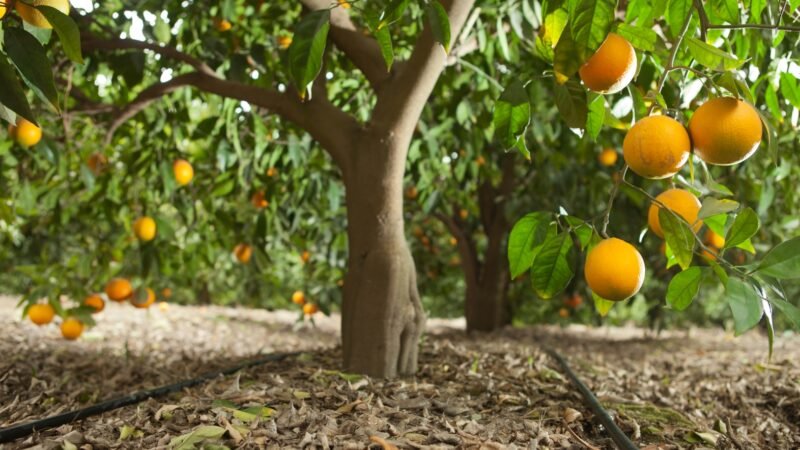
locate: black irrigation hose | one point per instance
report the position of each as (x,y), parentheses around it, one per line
(24,429)
(617,435)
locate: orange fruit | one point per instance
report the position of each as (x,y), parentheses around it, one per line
(145,228)
(611,67)
(97,163)
(166,292)
(2,10)
(284,42)
(34,17)
(344,4)
(709,255)
(563,313)
(725,131)
(299,298)
(411,193)
(714,240)
(119,289)
(305,256)
(41,313)
(143,298)
(222,25)
(25,133)
(614,269)
(608,157)
(573,301)
(682,203)
(259,200)
(453,241)
(656,147)
(95,302)
(183,171)
(463,214)
(71,328)
(243,253)
(271,172)
(480,160)
(310,309)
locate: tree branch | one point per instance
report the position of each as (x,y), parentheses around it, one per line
(361,50)
(400,104)
(88,44)
(466,247)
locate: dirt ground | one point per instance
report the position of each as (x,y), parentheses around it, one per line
(687,389)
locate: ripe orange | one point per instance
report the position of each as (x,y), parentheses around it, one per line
(259,200)
(97,163)
(573,301)
(243,253)
(143,298)
(656,147)
(145,228)
(608,157)
(611,67)
(714,240)
(166,292)
(305,256)
(284,42)
(709,255)
(480,160)
(344,4)
(463,213)
(222,25)
(299,298)
(411,193)
(453,241)
(563,313)
(41,313)
(682,202)
(71,328)
(614,269)
(119,289)
(2,10)
(725,131)
(95,302)
(34,17)
(310,309)
(183,171)
(271,172)
(25,133)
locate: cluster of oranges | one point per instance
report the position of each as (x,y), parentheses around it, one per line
(722,131)
(117,289)
(299,298)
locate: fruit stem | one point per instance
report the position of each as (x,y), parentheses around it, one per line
(614,191)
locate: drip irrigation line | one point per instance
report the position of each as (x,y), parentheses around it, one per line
(617,435)
(24,429)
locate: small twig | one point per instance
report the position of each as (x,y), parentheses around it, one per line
(614,191)
(578,438)
(732,435)
(758,26)
(701,11)
(672,55)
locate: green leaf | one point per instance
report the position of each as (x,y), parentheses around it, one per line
(596,116)
(771,99)
(589,22)
(783,261)
(11,95)
(551,270)
(189,440)
(640,37)
(712,207)
(308,48)
(566,57)
(712,57)
(679,237)
(384,39)
(512,113)
(67,32)
(792,312)
(743,228)
(602,305)
(571,102)
(440,23)
(392,13)
(683,288)
(161,31)
(677,11)
(745,305)
(789,89)
(526,236)
(30,58)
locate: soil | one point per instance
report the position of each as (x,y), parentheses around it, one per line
(682,389)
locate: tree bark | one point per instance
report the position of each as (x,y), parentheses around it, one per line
(382,317)
(486,304)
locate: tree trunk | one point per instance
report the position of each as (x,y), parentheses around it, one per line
(382,317)
(486,305)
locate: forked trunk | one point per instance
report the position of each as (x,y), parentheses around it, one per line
(382,317)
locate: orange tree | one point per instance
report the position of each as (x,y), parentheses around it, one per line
(710,84)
